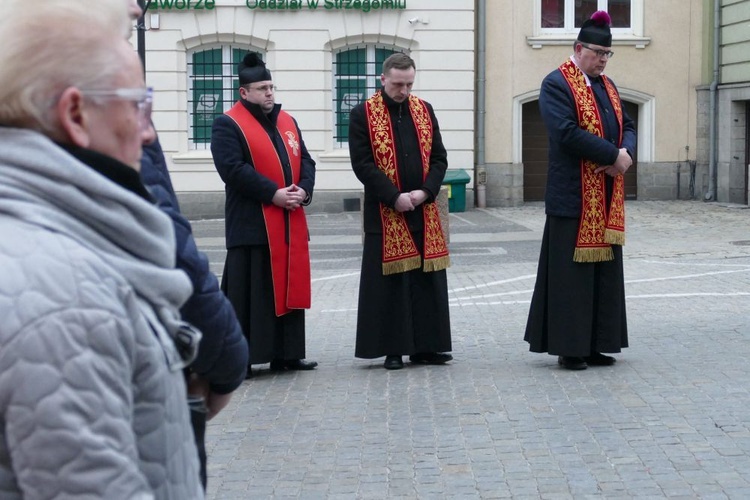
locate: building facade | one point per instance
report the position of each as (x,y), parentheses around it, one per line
(480,63)
(724,101)
(325,56)
(656,66)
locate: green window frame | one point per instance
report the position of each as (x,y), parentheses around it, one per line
(212,88)
(356,76)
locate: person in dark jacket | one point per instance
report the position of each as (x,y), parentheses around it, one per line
(269,177)
(397,153)
(578,307)
(223,353)
(221,363)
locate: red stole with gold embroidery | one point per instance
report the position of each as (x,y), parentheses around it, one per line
(599,226)
(400,252)
(286,230)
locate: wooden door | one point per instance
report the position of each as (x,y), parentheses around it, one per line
(536,148)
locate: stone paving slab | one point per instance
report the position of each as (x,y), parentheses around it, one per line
(670,420)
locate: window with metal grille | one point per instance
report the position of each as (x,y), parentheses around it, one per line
(356,76)
(212,88)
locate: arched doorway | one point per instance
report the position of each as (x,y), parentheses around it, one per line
(535,150)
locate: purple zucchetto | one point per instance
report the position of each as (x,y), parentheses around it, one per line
(596,29)
(252,69)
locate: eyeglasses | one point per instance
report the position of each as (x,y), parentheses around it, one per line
(142,97)
(599,53)
(263,88)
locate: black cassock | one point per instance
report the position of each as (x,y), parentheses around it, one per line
(246,281)
(403,313)
(577,308)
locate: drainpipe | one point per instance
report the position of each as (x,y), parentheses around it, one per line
(141,31)
(480,171)
(711,195)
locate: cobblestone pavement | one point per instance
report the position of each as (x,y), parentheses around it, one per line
(670,419)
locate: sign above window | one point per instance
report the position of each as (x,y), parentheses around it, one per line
(182,5)
(284,5)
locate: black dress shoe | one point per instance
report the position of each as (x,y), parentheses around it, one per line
(430,358)
(300,364)
(279,365)
(599,359)
(393,363)
(571,363)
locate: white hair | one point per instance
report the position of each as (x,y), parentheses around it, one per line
(51,45)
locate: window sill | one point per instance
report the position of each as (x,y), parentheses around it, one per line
(197,156)
(537,42)
(335,156)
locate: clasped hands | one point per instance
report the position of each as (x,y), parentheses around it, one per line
(407,202)
(290,197)
(620,166)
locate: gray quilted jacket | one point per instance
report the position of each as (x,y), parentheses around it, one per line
(92,399)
